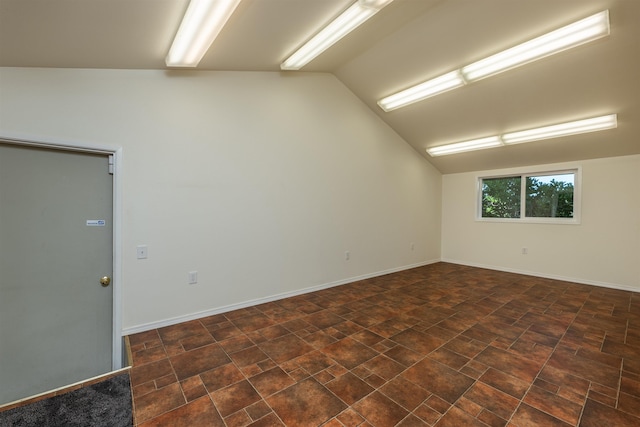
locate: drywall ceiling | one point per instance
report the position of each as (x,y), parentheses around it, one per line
(406,43)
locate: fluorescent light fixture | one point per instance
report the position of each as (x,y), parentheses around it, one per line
(422,91)
(563,129)
(459,147)
(580,32)
(350,19)
(201,24)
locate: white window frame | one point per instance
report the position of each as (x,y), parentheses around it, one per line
(577,197)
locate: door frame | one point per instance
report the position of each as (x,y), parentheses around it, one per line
(116,152)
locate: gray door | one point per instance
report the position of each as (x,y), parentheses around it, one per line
(55,246)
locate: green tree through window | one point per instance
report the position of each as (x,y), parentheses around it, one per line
(545,196)
(552,199)
(501,197)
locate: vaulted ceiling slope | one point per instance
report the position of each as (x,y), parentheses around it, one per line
(408,42)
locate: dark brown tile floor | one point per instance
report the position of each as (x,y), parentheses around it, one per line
(441,345)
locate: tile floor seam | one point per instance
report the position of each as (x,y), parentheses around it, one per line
(476,380)
(181,391)
(586,397)
(372,392)
(626,333)
(542,369)
(620,376)
(584,403)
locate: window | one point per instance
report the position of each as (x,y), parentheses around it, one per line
(501,197)
(531,197)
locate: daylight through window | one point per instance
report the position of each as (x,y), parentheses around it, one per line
(548,195)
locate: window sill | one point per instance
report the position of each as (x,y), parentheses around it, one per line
(554,221)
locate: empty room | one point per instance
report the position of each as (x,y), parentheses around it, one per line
(319,213)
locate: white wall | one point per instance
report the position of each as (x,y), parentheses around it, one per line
(260,181)
(603,249)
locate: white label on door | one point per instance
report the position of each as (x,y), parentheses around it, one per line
(96,223)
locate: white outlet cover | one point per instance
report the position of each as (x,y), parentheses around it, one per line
(141,251)
(193,277)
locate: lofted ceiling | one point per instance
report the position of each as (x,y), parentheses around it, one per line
(408,42)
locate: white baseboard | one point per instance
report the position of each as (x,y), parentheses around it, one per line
(257,301)
(545,276)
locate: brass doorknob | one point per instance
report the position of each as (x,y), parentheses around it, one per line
(104,281)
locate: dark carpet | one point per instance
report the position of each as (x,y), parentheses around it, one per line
(107,403)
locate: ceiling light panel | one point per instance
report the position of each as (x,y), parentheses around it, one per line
(564,129)
(459,147)
(580,32)
(349,20)
(583,31)
(422,91)
(554,131)
(202,22)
